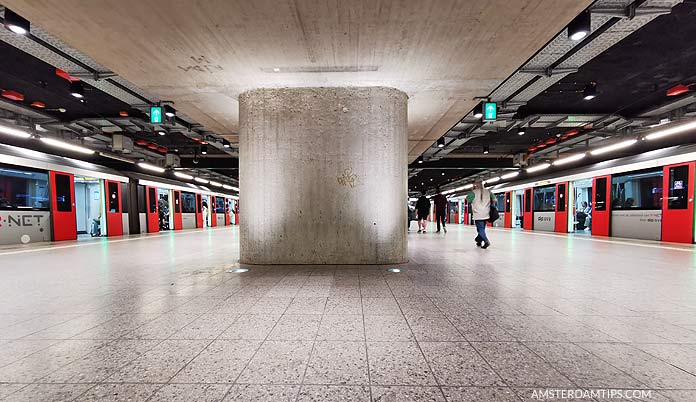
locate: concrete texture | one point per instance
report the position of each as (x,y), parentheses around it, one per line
(323,176)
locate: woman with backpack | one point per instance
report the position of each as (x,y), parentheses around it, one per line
(480,199)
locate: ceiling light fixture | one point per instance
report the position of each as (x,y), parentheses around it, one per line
(202,181)
(183,176)
(590,91)
(14,132)
(65,145)
(580,26)
(510,175)
(441,142)
(227,187)
(493,180)
(486,149)
(169,111)
(77,90)
(150,167)
(215,183)
(613,147)
(225,143)
(538,167)
(569,159)
(521,131)
(478,111)
(115,157)
(672,130)
(204,150)
(420,159)
(16,23)
(162,133)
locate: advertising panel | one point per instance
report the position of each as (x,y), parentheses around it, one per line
(188,221)
(545,221)
(17,227)
(641,224)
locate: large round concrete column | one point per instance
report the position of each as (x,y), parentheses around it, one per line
(322,176)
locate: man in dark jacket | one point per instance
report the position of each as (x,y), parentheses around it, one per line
(423,210)
(440,210)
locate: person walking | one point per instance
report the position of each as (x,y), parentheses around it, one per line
(423,210)
(480,200)
(440,210)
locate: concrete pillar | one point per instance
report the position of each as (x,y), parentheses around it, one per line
(323,176)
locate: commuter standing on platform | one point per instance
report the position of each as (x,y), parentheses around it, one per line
(423,209)
(440,210)
(480,200)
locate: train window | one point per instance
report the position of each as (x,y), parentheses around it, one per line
(561,197)
(678,188)
(219,205)
(545,199)
(21,189)
(124,198)
(188,203)
(507,202)
(500,201)
(528,200)
(152,199)
(112,193)
(177,205)
(63,193)
(142,202)
(640,189)
(600,200)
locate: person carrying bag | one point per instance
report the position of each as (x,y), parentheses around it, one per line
(482,203)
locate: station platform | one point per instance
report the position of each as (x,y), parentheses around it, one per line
(167,318)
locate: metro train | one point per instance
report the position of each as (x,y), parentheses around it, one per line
(648,196)
(51,198)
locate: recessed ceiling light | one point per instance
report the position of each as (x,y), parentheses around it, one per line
(169,111)
(486,149)
(521,131)
(590,91)
(162,133)
(276,69)
(441,142)
(580,27)
(478,111)
(77,90)
(16,23)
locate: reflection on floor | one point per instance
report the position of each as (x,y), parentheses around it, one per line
(160,318)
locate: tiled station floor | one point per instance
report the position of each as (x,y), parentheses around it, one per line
(160,319)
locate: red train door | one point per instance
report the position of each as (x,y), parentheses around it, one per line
(213,215)
(601,211)
(236,212)
(678,203)
(561,225)
(114,210)
(199,212)
(528,210)
(178,218)
(227,212)
(152,213)
(63,206)
(508,210)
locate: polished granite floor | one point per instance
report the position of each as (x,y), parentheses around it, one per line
(160,318)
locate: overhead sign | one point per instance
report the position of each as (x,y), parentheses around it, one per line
(490,111)
(155,114)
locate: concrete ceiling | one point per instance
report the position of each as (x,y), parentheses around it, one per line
(203,54)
